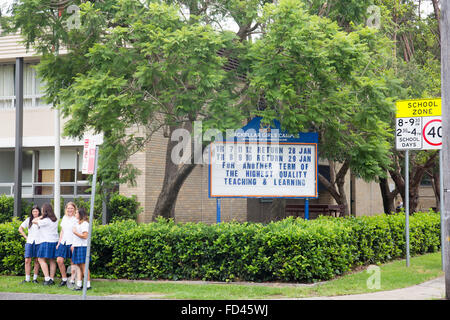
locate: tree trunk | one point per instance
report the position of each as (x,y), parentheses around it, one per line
(437,15)
(174,177)
(416,175)
(336,185)
(388,196)
(436,183)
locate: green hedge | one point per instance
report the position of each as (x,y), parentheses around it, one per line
(119,206)
(7,208)
(289,250)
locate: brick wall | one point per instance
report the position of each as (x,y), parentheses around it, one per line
(193,203)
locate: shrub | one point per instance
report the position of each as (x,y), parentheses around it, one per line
(123,208)
(289,250)
(119,206)
(7,208)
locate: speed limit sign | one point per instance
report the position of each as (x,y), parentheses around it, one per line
(418,124)
(432,133)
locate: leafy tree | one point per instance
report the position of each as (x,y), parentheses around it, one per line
(314,76)
(416,55)
(132,68)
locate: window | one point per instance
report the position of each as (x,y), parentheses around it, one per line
(6,86)
(33,90)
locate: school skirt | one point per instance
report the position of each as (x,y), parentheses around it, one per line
(64,251)
(31,250)
(47,250)
(79,255)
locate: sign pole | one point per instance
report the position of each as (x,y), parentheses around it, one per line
(306,209)
(218,210)
(18,157)
(407,205)
(91,222)
(418,126)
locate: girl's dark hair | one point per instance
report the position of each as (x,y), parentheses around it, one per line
(83,215)
(35,207)
(47,212)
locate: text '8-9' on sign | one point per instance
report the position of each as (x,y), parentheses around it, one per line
(418,124)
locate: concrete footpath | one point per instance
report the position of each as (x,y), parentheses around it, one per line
(433,289)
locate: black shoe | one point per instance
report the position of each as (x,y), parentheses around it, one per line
(49,283)
(35,281)
(63,283)
(25,281)
(77,288)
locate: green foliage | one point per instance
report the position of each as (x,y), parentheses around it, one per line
(7,208)
(317,77)
(123,208)
(132,64)
(11,248)
(120,207)
(289,250)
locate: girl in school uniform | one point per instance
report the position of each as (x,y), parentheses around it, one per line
(48,226)
(32,244)
(79,244)
(63,247)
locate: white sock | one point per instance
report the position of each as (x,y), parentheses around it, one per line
(46,278)
(88,284)
(79,283)
(27,277)
(64,279)
(35,277)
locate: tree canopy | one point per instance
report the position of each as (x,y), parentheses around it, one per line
(134,67)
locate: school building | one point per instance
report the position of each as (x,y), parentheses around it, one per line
(193,203)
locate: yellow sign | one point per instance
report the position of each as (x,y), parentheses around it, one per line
(418,108)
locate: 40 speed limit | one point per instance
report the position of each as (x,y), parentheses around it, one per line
(418,133)
(432,133)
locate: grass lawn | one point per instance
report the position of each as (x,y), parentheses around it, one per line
(394,275)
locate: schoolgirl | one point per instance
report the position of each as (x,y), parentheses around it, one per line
(48,226)
(32,243)
(63,248)
(79,244)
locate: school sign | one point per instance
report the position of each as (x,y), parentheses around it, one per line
(260,162)
(418,124)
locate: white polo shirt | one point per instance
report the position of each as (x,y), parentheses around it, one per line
(48,230)
(80,228)
(33,232)
(67,224)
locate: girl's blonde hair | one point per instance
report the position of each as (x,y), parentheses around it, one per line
(70,203)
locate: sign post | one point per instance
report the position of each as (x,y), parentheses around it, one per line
(218,218)
(306,209)
(418,126)
(407,206)
(90,164)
